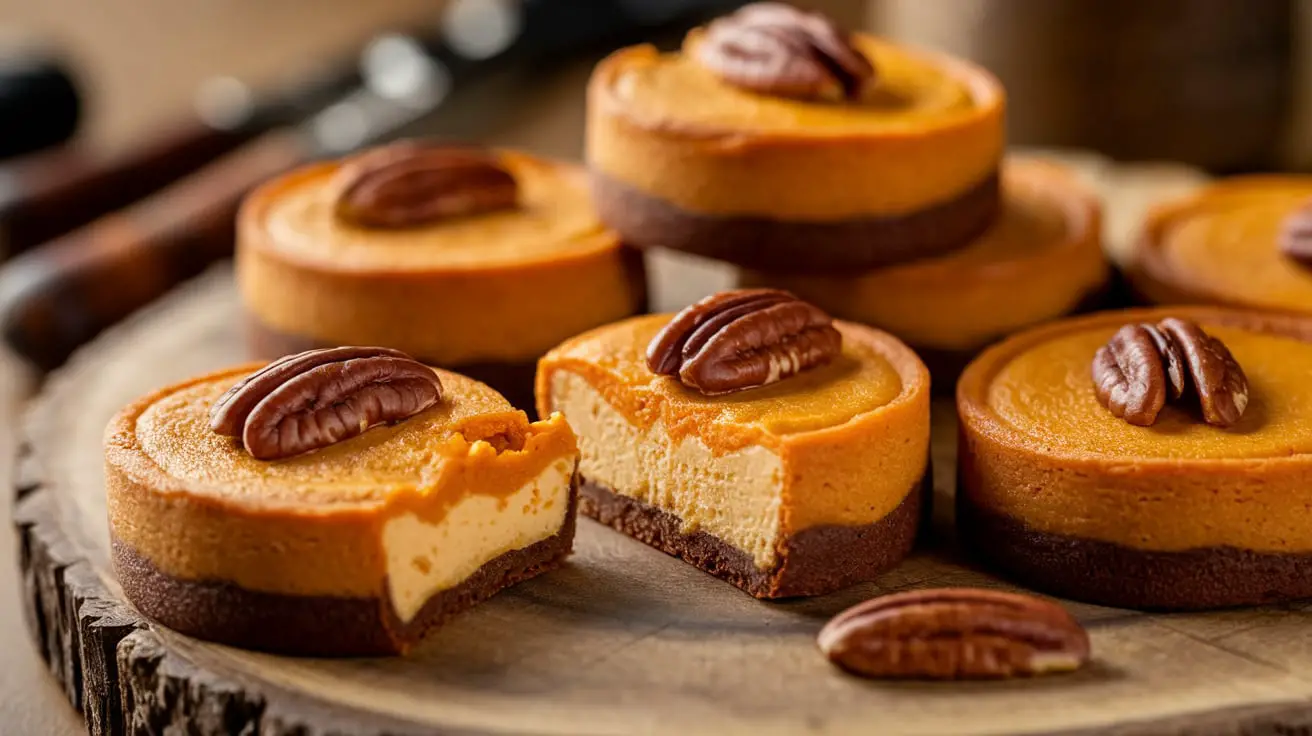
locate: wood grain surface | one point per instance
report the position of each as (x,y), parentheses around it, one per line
(624,639)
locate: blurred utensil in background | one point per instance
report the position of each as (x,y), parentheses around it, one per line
(62,293)
(48,195)
(1203,82)
(40,105)
(53,192)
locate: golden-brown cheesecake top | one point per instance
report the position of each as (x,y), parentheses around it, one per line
(914,91)
(1039,390)
(873,371)
(472,434)
(1043,211)
(1041,256)
(554,221)
(1223,243)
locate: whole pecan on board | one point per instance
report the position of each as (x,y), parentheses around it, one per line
(742,339)
(1296,234)
(776,49)
(408,184)
(955,633)
(1145,366)
(317,398)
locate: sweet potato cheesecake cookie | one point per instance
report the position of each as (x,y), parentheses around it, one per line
(472,260)
(1242,242)
(752,436)
(1041,259)
(1146,459)
(336,502)
(775,140)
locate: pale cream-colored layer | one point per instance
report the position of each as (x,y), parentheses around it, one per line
(200,508)
(852,436)
(424,559)
(734,496)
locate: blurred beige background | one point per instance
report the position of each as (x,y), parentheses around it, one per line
(1222,42)
(142,60)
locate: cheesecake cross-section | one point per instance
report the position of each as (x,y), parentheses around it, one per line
(357,548)
(798,487)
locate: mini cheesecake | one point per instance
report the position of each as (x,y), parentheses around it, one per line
(821,150)
(751,436)
(473,260)
(1154,459)
(1232,243)
(304,535)
(1040,260)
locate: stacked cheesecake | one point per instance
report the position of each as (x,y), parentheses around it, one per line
(867,178)
(347,500)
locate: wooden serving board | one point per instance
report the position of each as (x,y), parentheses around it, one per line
(623,640)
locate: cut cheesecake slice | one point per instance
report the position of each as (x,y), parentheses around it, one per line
(346,542)
(801,486)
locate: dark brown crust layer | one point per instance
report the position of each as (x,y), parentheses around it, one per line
(812,562)
(321,626)
(646,221)
(1114,575)
(512,380)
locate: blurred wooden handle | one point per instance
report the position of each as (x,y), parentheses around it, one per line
(54,192)
(59,295)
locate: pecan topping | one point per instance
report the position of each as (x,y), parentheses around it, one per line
(1144,366)
(1296,235)
(408,184)
(314,399)
(955,633)
(777,49)
(742,339)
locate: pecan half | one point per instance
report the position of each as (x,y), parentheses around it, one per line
(1216,376)
(408,184)
(1128,376)
(1296,235)
(743,339)
(955,633)
(1145,366)
(317,398)
(776,49)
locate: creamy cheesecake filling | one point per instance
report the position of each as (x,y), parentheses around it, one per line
(734,496)
(346,520)
(424,559)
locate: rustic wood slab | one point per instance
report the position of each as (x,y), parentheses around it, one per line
(623,640)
